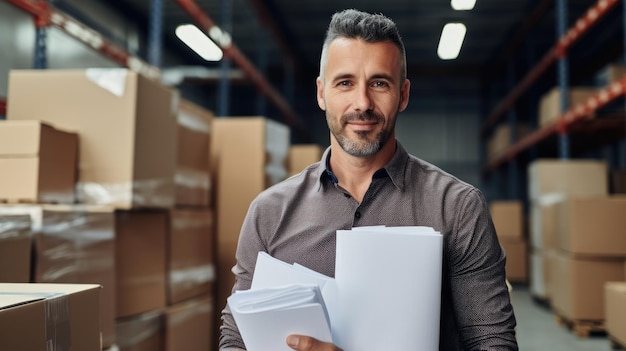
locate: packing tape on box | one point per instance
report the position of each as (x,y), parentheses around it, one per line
(13,226)
(148,193)
(192,309)
(193,122)
(192,178)
(133,331)
(189,277)
(57,313)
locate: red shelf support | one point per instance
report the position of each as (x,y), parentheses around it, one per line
(45,15)
(3,106)
(561,124)
(591,17)
(232,52)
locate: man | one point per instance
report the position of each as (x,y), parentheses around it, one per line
(365,178)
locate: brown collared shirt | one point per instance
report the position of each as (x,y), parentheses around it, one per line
(296,221)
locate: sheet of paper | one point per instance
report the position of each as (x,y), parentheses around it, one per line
(266,316)
(389,288)
(271,272)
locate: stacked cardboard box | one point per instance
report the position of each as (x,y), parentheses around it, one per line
(501,138)
(142,225)
(549,181)
(248,154)
(550,103)
(615,310)
(43,317)
(303,155)
(508,219)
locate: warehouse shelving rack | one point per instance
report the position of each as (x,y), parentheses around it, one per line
(571,119)
(3,106)
(45,14)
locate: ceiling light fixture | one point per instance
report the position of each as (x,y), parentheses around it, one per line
(462,5)
(199,42)
(451,40)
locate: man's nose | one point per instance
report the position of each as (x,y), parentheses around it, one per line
(363,100)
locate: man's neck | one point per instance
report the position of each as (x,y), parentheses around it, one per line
(355,173)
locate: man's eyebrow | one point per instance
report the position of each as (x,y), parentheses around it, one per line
(382,76)
(343,76)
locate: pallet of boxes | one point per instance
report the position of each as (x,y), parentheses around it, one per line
(109,171)
(577,240)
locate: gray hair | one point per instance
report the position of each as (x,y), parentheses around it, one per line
(372,28)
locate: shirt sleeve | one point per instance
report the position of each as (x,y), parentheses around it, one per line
(481,300)
(249,245)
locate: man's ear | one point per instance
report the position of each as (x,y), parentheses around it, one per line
(320,93)
(404,95)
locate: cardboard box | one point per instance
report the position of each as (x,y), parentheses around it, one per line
(43,317)
(554,177)
(500,139)
(38,163)
(615,310)
(15,248)
(578,289)
(508,218)
(516,259)
(303,155)
(127,128)
(248,154)
(189,325)
(593,225)
(543,224)
(193,181)
(140,262)
(191,254)
(540,280)
(76,244)
(609,74)
(142,332)
(550,102)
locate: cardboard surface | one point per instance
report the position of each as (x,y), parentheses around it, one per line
(38,162)
(550,102)
(142,332)
(543,225)
(578,285)
(15,248)
(508,218)
(56,316)
(615,310)
(548,178)
(191,254)
(140,262)
(593,225)
(127,128)
(76,244)
(303,155)
(516,259)
(189,325)
(193,181)
(242,164)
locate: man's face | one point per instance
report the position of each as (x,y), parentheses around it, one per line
(362,93)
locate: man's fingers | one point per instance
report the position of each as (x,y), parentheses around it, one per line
(307,343)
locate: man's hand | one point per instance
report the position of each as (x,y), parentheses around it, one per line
(307,343)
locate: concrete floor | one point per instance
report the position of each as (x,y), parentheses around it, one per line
(537,329)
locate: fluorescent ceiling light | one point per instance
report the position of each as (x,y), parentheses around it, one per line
(451,41)
(462,5)
(199,42)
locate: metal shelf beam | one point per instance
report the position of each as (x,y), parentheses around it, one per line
(231,51)
(590,18)
(561,124)
(46,15)
(3,106)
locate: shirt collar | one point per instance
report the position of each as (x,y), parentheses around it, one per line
(394,169)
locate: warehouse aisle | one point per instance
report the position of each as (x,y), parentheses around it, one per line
(538,331)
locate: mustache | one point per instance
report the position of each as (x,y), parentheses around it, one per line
(361,116)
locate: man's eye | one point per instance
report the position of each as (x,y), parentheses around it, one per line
(380,84)
(344,83)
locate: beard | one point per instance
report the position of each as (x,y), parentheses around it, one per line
(362,145)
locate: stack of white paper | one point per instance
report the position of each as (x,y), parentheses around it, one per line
(266,316)
(389,288)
